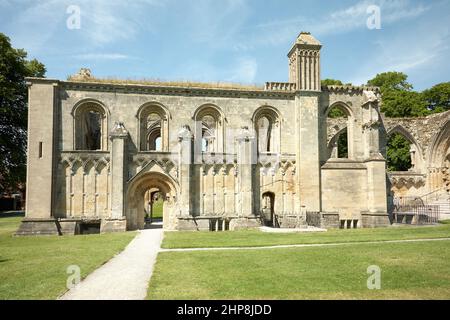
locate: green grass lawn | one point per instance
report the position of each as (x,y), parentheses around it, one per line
(158,209)
(35,267)
(252,238)
(419,270)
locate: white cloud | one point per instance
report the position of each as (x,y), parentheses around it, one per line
(102,21)
(407,53)
(340,21)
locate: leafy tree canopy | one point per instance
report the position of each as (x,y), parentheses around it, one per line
(391,81)
(403,104)
(13,111)
(438,97)
(331,82)
(398,155)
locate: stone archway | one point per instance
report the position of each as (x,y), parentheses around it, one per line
(135,200)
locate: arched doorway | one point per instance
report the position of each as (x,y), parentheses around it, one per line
(151,198)
(268,209)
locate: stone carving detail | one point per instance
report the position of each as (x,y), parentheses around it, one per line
(372,124)
(280,86)
(167,162)
(401,179)
(119,131)
(85,159)
(83,74)
(185,133)
(370,97)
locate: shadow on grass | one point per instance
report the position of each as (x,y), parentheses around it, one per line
(10,214)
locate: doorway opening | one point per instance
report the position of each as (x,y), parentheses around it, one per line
(268,209)
(151,202)
(154,208)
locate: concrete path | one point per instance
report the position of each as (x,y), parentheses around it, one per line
(124,277)
(281,246)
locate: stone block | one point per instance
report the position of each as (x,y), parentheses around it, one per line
(38,227)
(119,225)
(374,220)
(329,220)
(244,223)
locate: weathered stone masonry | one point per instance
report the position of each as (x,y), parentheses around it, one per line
(223,158)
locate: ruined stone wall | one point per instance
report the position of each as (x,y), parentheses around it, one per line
(213,185)
(427,136)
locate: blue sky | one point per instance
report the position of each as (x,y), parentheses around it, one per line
(244,41)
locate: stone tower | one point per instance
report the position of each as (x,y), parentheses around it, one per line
(304,71)
(304,63)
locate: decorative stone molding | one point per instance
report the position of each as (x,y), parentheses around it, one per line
(174,91)
(280,86)
(408,179)
(245,134)
(185,133)
(372,124)
(84,159)
(119,131)
(349,89)
(370,97)
(165,160)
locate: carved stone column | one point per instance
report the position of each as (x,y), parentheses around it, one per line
(119,137)
(185,166)
(376,215)
(246,155)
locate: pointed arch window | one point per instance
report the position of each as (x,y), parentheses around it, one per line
(90,127)
(341,144)
(208,130)
(267,127)
(153,128)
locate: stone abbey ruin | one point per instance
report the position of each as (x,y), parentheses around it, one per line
(225,157)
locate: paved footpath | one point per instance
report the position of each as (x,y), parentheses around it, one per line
(124,277)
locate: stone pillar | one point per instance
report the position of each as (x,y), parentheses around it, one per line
(246,157)
(41,148)
(377,215)
(246,163)
(184,170)
(41,158)
(308,152)
(371,125)
(116,221)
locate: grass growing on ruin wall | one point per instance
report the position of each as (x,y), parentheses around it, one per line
(162,83)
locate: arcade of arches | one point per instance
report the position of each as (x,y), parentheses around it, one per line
(223,157)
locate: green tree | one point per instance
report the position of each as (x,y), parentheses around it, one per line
(403,104)
(398,155)
(13,111)
(398,99)
(391,81)
(438,97)
(331,82)
(343,145)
